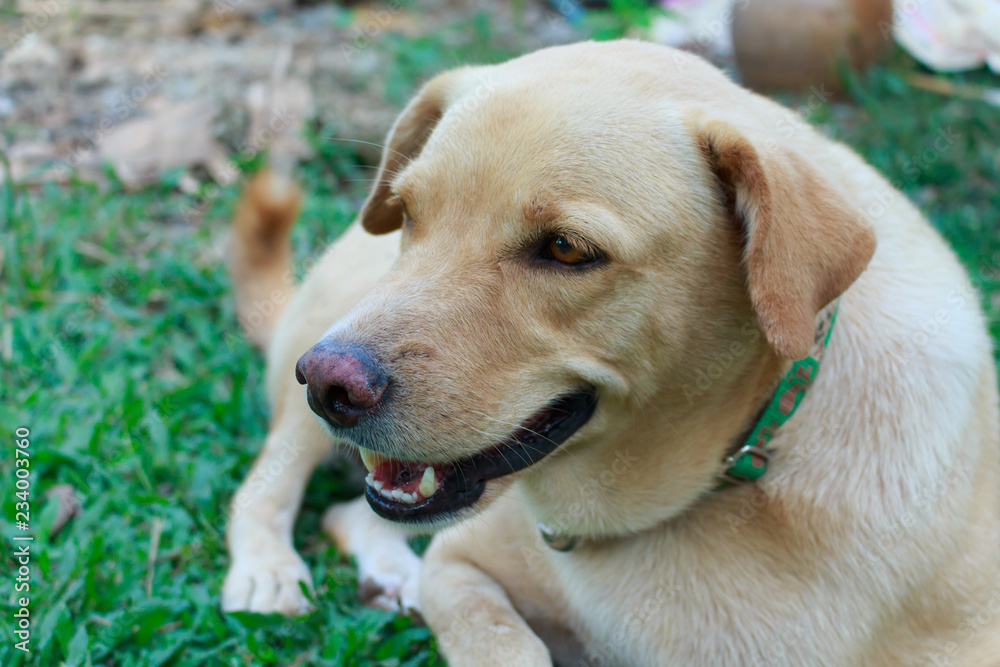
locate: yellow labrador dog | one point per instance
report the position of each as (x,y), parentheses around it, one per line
(691,383)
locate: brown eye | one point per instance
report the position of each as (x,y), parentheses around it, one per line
(563,251)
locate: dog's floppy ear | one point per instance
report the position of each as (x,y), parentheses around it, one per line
(804,242)
(382,213)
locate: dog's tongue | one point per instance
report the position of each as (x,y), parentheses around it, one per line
(402,475)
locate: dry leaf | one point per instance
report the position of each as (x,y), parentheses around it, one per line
(69,506)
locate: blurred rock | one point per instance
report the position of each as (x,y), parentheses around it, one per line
(31,53)
(179,135)
(27,160)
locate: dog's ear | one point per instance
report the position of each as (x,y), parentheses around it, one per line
(804,242)
(382,213)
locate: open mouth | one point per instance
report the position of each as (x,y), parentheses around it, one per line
(410,491)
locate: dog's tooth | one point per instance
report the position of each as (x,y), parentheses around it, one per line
(377,484)
(385,493)
(370,458)
(428,483)
(408,498)
(397,494)
(366,458)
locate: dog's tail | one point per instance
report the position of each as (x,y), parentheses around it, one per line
(261,253)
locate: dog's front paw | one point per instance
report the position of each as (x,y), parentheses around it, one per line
(388,570)
(390,582)
(267,584)
(499,645)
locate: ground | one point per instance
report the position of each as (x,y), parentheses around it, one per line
(121,354)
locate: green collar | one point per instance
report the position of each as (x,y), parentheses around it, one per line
(749,462)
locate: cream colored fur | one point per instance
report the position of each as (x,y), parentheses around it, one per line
(874,538)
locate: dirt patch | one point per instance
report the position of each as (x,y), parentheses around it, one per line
(151,85)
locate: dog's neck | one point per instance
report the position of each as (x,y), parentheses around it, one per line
(746,461)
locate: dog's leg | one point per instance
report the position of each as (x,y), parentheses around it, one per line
(388,570)
(472,616)
(490,594)
(265,570)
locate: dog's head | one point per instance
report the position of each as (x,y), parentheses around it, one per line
(587,233)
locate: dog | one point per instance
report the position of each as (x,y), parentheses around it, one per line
(677,379)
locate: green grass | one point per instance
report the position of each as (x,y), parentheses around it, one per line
(126,364)
(941,152)
(126,369)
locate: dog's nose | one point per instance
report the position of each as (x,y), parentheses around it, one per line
(343,382)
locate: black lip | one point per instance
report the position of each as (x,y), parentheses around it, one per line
(463,481)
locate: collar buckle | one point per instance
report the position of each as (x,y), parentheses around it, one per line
(747,464)
(555,540)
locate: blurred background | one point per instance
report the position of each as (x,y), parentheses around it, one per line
(126,130)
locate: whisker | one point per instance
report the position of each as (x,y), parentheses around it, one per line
(371,143)
(516,426)
(394,172)
(373,181)
(523,445)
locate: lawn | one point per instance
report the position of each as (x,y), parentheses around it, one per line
(121,354)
